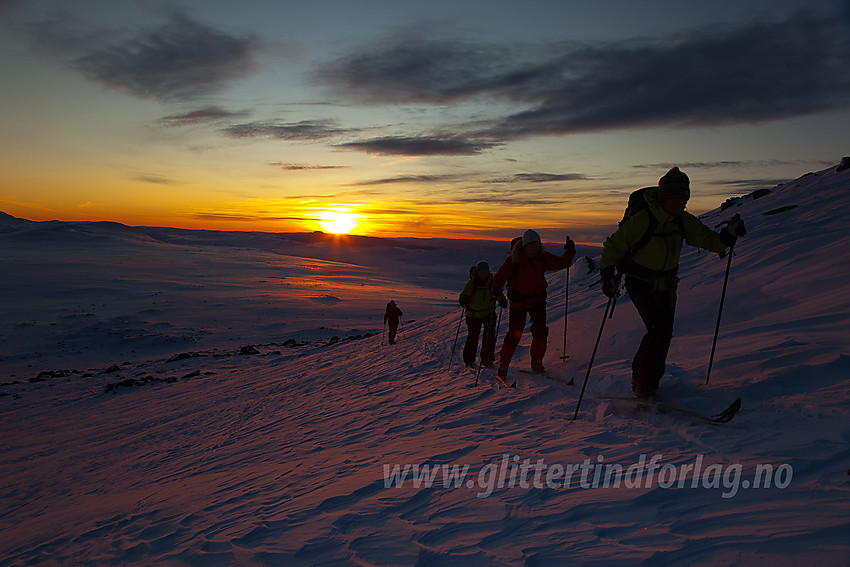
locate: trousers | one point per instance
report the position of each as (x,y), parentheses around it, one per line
(539,332)
(474,325)
(657,310)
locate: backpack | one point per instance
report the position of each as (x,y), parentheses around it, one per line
(637,203)
(514,242)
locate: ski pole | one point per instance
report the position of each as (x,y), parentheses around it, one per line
(719,313)
(614,303)
(590,366)
(462,313)
(566,311)
(567,298)
(478,373)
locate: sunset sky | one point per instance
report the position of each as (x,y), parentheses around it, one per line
(470,119)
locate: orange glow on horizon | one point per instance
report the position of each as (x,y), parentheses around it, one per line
(378,218)
(338,221)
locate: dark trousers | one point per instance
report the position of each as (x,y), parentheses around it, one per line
(488,341)
(393,327)
(657,309)
(539,332)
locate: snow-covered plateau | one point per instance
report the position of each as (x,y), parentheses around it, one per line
(177,397)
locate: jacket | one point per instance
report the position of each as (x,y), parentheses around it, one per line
(481,300)
(657,261)
(392,314)
(527,277)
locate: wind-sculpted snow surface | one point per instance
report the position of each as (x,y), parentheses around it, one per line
(306,450)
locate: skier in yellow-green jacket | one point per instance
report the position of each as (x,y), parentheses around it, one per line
(480,304)
(646,248)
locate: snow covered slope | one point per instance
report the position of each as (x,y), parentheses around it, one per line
(314,452)
(76,293)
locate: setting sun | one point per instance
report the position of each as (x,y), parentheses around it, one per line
(338,222)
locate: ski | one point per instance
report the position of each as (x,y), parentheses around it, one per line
(548,376)
(502,380)
(726,415)
(723,417)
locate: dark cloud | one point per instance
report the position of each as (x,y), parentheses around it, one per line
(449,196)
(409,179)
(305,130)
(202,116)
(181,60)
(8,6)
(393,211)
(433,145)
(60,36)
(259,216)
(419,70)
(718,76)
(304,166)
(721,74)
(539,178)
(156,179)
(518,199)
(663,167)
(505,200)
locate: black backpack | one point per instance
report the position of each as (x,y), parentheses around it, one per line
(637,203)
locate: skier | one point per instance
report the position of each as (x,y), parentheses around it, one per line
(391,316)
(646,248)
(524,270)
(480,306)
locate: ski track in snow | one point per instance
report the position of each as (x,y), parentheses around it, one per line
(277,458)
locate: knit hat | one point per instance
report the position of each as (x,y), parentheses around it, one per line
(674,185)
(530,236)
(483,266)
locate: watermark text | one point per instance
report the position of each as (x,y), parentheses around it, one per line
(513,471)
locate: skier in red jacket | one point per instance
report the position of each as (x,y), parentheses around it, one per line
(524,270)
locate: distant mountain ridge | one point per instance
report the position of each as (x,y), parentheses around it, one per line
(169,235)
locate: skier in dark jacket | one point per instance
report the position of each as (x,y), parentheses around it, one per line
(651,269)
(480,304)
(391,318)
(524,270)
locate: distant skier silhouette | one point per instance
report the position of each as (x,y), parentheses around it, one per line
(391,319)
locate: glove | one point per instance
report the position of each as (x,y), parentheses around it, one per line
(733,229)
(570,246)
(610,283)
(737,226)
(465,300)
(503,302)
